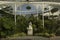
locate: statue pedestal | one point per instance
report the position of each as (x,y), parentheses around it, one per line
(30,31)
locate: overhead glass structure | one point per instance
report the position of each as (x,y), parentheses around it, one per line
(28,9)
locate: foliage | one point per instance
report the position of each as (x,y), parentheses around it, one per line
(18,34)
(54,10)
(22,24)
(6,24)
(8,27)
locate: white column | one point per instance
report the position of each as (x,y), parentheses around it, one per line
(43,15)
(59,13)
(49,11)
(20,9)
(15,13)
(37,12)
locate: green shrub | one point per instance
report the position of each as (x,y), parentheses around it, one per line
(46,35)
(52,35)
(3,34)
(39,34)
(18,35)
(42,34)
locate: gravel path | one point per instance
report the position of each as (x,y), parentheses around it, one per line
(33,38)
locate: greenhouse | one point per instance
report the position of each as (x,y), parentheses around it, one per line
(18,16)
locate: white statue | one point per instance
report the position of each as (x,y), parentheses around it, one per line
(30,29)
